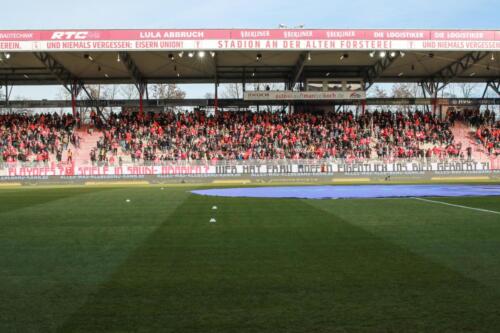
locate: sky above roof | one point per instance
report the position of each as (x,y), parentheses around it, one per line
(432,14)
(29,14)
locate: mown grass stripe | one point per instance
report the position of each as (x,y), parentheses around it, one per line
(279,266)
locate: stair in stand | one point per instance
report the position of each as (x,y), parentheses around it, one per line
(465,135)
(88,142)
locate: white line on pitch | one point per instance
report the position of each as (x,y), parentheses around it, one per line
(459,206)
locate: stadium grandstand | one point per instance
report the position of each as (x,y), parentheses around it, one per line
(158,212)
(321,112)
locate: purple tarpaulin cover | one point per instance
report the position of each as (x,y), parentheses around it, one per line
(355,191)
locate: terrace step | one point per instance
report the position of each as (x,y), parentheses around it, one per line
(464,134)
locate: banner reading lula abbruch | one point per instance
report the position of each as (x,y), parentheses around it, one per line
(247,39)
(256,168)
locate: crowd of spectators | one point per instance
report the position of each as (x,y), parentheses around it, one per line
(476,118)
(487,129)
(489,138)
(244,135)
(410,135)
(157,137)
(36,138)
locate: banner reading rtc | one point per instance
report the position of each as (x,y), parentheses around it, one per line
(303,95)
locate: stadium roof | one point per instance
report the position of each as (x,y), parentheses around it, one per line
(252,55)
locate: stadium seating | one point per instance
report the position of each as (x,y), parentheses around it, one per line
(243,136)
(37,138)
(153,138)
(488,136)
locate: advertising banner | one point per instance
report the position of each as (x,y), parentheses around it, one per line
(247,39)
(303,95)
(257,168)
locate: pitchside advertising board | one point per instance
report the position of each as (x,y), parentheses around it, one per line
(303,95)
(248,39)
(256,169)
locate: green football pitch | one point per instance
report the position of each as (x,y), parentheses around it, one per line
(83,259)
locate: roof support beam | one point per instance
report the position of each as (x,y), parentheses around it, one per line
(8,91)
(72,83)
(375,71)
(134,72)
(94,101)
(132,69)
(432,88)
(244,80)
(440,79)
(216,84)
(64,76)
(215,64)
(493,85)
(297,71)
